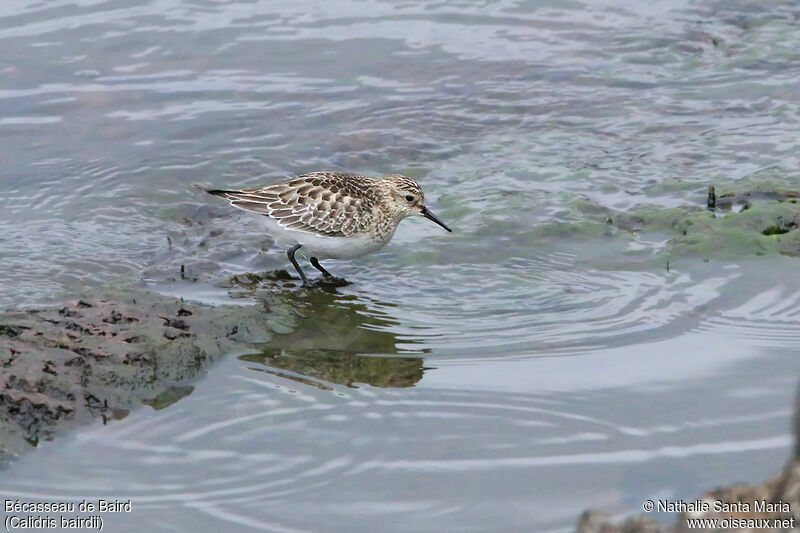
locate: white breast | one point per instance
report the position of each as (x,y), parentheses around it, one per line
(323,247)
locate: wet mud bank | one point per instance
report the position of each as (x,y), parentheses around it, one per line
(98,358)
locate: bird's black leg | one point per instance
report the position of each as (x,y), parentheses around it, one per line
(290,253)
(319,267)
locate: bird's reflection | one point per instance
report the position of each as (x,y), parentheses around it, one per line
(333,338)
(344,368)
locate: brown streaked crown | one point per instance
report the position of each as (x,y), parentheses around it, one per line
(405,183)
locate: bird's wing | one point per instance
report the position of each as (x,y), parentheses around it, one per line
(321,203)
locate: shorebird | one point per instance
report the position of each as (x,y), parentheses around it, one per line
(333,215)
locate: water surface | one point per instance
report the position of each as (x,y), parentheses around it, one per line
(502,377)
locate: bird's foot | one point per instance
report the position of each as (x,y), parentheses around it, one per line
(330,281)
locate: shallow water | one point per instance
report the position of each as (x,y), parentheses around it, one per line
(505,376)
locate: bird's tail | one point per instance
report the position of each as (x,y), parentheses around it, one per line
(219,192)
(216,192)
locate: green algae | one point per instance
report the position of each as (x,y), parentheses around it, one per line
(755,216)
(761,229)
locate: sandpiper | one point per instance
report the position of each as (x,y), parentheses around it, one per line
(333,215)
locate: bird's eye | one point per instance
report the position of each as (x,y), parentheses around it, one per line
(409,198)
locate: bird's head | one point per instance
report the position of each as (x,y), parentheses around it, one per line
(407,199)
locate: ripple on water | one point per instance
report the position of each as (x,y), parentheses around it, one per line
(553,303)
(770,318)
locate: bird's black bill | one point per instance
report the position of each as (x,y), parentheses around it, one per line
(430,216)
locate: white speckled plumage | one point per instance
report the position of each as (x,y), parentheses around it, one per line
(333,215)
